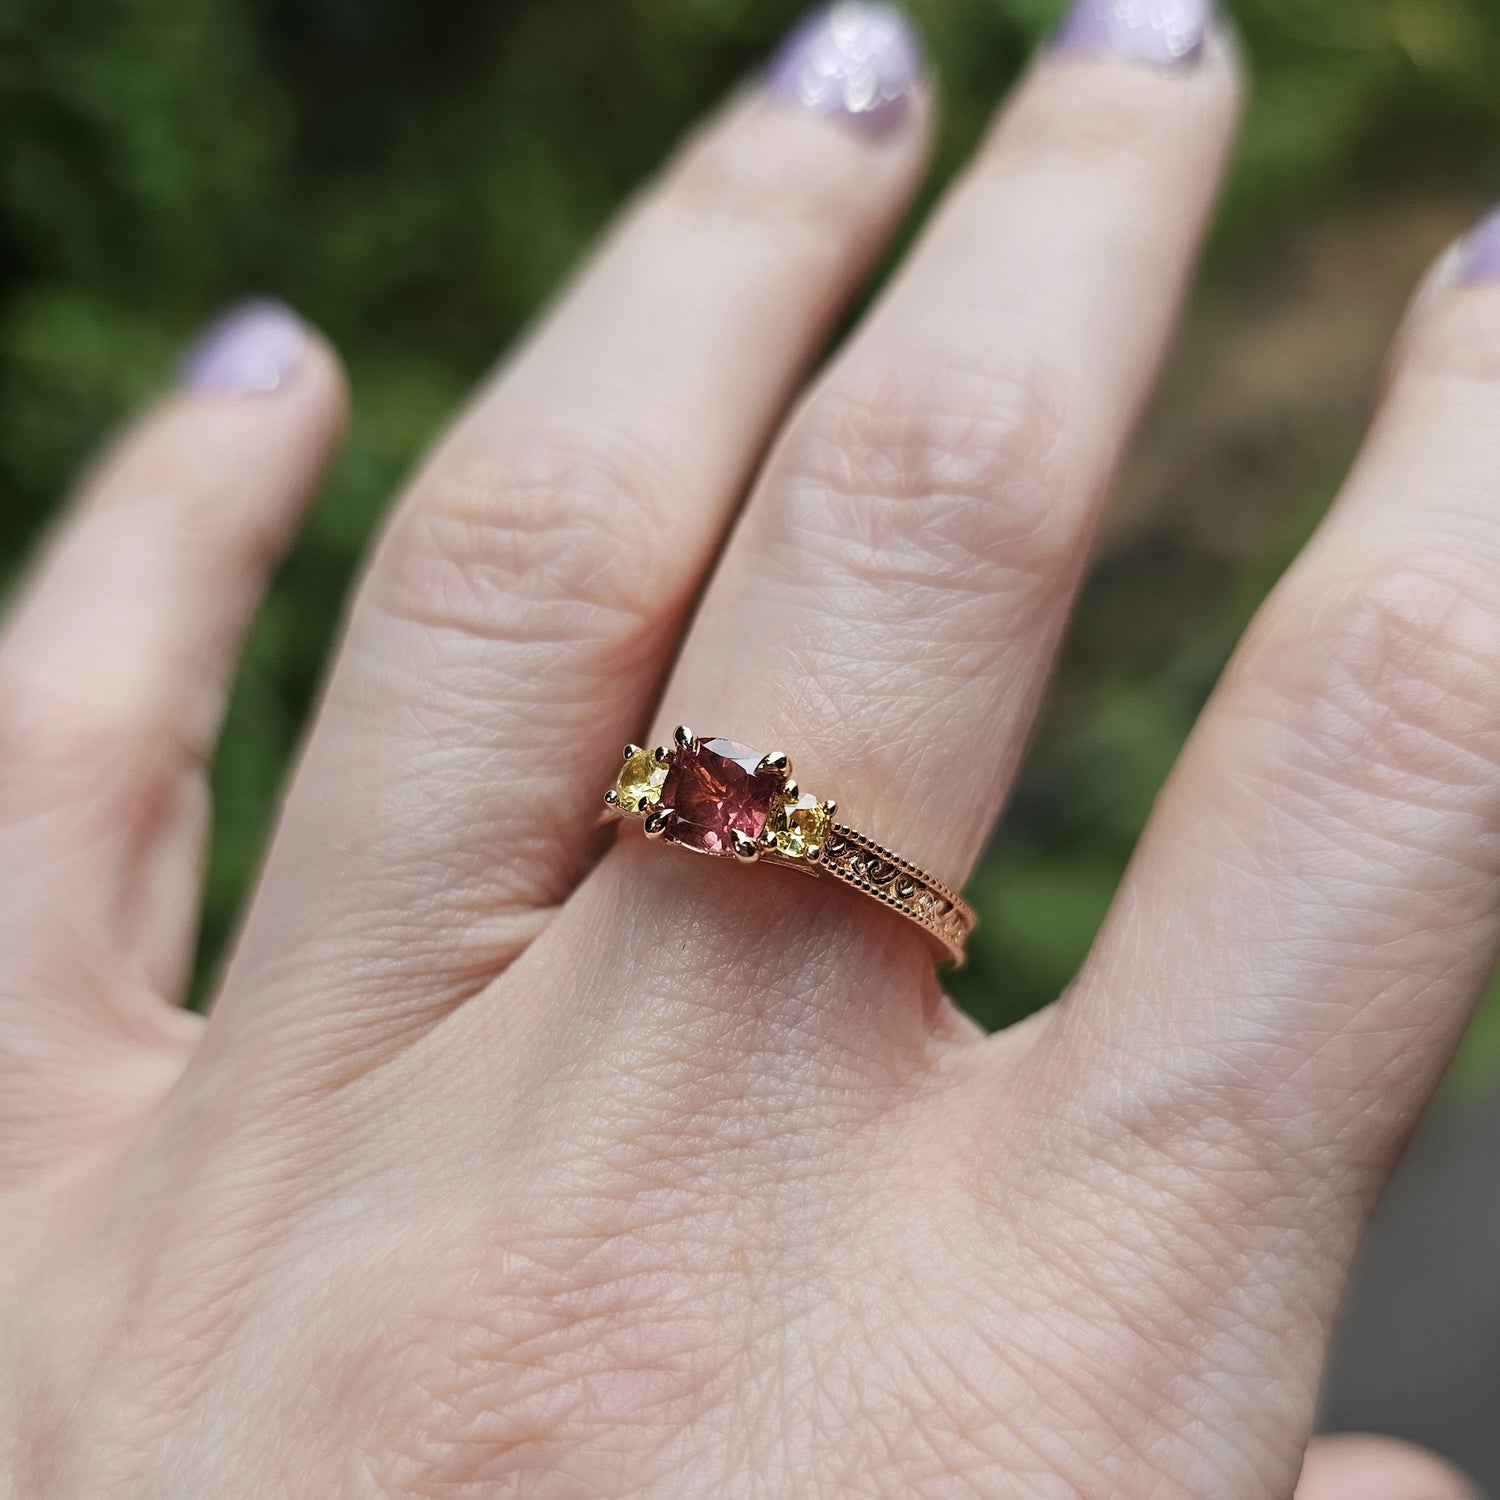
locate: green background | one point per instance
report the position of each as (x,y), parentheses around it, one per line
(416,179)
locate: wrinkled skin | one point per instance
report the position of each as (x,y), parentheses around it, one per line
(511,1162)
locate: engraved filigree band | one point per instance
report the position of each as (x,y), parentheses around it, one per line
(718,797)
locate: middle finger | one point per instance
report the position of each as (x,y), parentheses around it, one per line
(527,597)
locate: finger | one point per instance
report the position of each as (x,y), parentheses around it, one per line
(113,675)
(1359,1467)
(885,611)
(525,601)
(1313,909)
(888,609)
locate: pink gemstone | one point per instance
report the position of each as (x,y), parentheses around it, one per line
(714,790)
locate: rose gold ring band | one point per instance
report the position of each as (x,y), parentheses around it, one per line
(721,798)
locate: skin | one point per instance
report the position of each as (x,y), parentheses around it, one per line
(510,1165)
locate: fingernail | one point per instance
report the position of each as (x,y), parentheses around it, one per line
(251,349)
(1166,32)
(1479,253)
(858,61)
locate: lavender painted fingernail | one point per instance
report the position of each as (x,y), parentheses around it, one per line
(251,349)
(1479,253)
(1166,32)
(857,60)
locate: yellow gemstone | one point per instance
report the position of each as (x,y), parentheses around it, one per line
(800,826)
(639,782)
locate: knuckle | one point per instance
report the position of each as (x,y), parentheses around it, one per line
(553,535)
(934,476)
(61,737)
(1391,672)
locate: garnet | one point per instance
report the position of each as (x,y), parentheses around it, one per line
(713,790)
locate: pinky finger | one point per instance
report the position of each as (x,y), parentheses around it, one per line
(114,671)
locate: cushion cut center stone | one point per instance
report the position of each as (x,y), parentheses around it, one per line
(713,790)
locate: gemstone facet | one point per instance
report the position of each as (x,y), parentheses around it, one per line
(800,825)
(712,789)
(638,785)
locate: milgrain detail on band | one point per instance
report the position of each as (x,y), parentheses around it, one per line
(859,861)
(721,798)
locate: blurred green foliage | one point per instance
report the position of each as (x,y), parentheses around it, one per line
(417,179)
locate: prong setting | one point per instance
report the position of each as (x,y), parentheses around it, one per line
(746,850)
(759,806)
(799,825)
(639,782)
(726,799)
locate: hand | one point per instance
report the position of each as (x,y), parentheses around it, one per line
(504,1168)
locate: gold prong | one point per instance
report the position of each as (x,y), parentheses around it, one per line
(746,850)
(790,790)
(612,798)
(767,839)
(685,737)
(814,855)
(658,822)
(660,754)
(632,750)
(645,804)
(830,806)
(774,764)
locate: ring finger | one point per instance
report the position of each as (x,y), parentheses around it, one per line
(890,605)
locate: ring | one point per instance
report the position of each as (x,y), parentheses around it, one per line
(718,797)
